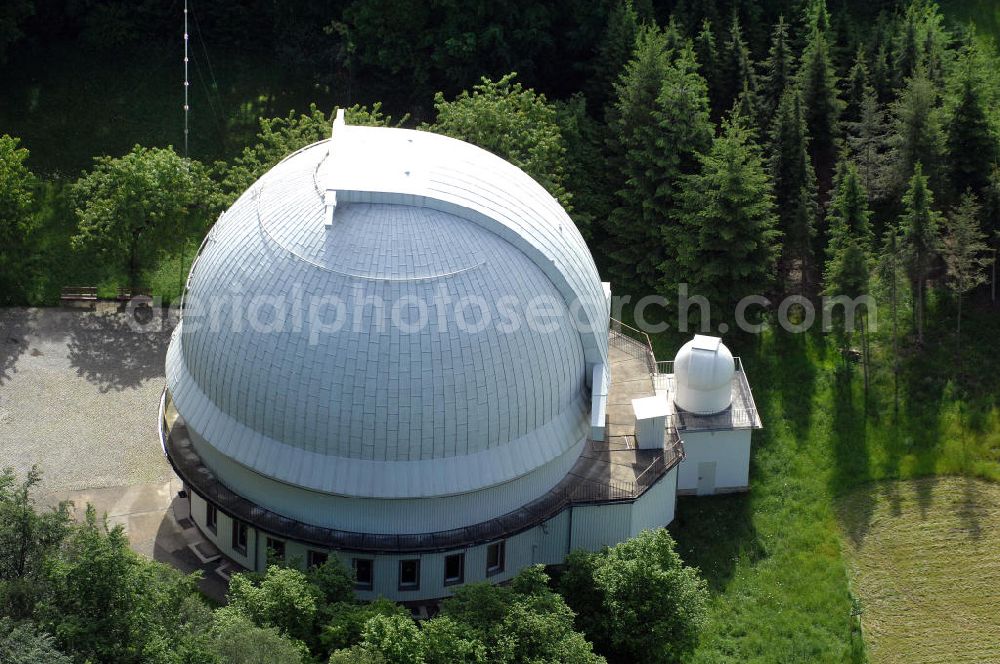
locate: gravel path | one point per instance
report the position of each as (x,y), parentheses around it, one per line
(79,392)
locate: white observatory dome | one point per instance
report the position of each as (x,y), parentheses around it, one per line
(388,412)
(703,372)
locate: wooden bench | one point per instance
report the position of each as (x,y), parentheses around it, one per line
(78,294)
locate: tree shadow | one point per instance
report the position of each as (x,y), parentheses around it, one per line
(792,372)
(117,353)
(852,459)
(971,507)
(15,323)
(714,533)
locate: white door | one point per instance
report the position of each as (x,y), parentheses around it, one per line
(706,478)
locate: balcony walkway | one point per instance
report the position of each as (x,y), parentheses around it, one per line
(607,471)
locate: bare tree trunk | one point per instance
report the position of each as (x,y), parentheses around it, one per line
(864,352)
(958,337)
(895,344)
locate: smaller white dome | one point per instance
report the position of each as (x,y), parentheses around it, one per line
(703,374)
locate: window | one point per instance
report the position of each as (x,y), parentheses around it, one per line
(409,574)
(275,549)
(316,558)
(363,573)
(211,517)
(239,537)
(454,568)
(495,554)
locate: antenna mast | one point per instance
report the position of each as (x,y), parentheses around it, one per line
(187,83)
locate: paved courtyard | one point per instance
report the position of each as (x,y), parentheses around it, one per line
(79,392)
(79,396)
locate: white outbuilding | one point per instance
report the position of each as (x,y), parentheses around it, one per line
(395,348)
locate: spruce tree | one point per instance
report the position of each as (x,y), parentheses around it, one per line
(818,84)
(964,252)
(855,86)
(971,145)
(659,124)
(779,69)
(707,54)
(868,147)
(920,226)
(907,49)
(613,54)
(881,74)
(794,186)
(917,135)
(730,240)
(736,71)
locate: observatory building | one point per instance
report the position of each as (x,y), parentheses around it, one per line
(395,348)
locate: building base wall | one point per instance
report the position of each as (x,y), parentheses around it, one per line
(589,527)
(715,462)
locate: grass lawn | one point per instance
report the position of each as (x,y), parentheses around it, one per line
(924,557)
(778,559)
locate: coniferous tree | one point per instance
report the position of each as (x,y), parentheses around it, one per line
(907,49)
(818,83)
(881,74)
(848,265)
(868,146)
(779,69)
(964,252)
(917,135)
(920,226)
(971,145)
(736,71)
(730,240)
(794,186)
(613,54)
(658,124)
(855,86)
(707,53)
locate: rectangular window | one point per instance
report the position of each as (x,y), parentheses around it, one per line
(454,569)
(275,549)
(316,558)
(239,537)
(409,574)
(211,518)
(363,573)
(495,554)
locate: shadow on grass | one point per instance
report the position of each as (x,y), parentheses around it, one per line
(108,352)
(852,458)
(14,326)
(714,533)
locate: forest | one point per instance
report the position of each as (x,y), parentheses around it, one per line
(798,148)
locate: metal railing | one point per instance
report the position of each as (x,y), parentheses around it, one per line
(632,341)
(572,489)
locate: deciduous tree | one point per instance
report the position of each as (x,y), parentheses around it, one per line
(963,249)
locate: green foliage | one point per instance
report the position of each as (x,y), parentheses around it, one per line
(779,68)
(659,125)
(345,626)
(818,84)
(23,643)
(736,70)
(868,147)
(284,599)
(586,165)
(917,136)
(963,247)
(523,622)
(513,122)
(849,249)
(137,207)
(730,243)
(642,602)
(970,144)
(920,226)
(103,602)
(856,86)
(16,213)
(794,182)
(237,640)
(279,137)
(613,53)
